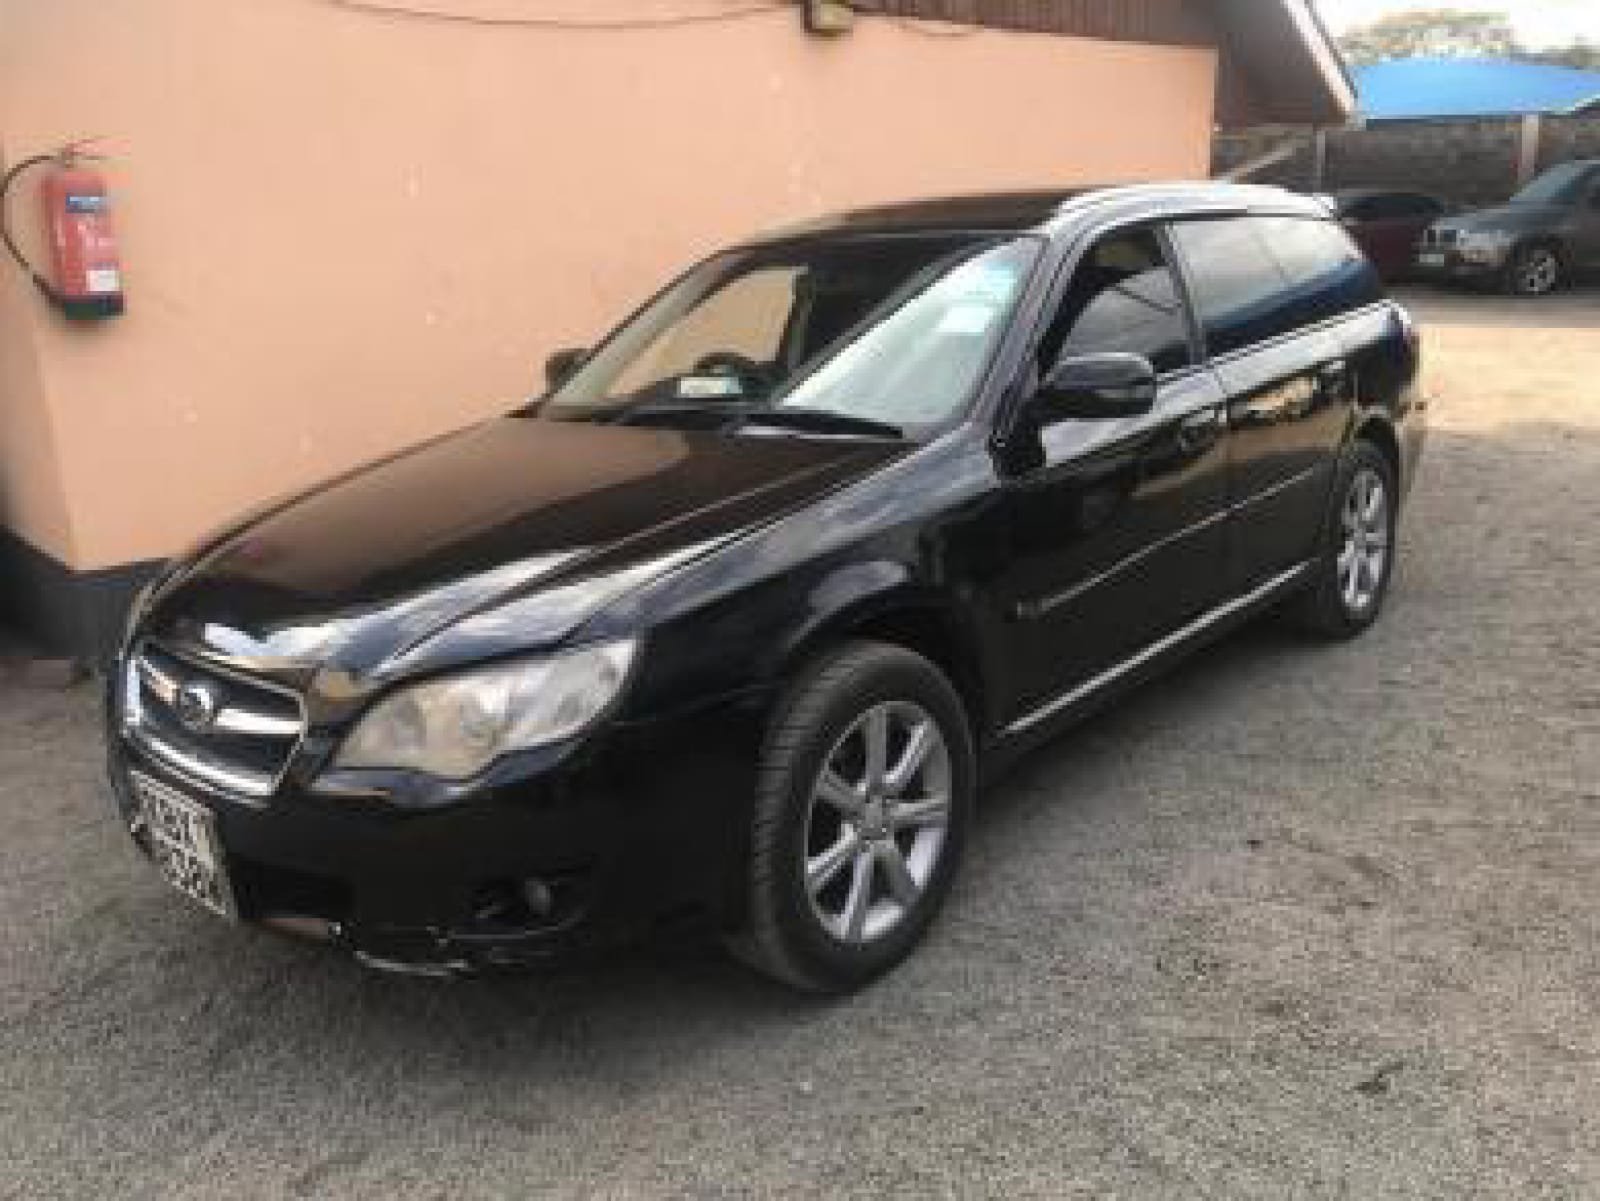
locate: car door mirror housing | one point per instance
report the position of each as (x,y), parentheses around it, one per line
(1097,386)
(563,365)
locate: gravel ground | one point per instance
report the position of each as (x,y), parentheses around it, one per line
(1295,922)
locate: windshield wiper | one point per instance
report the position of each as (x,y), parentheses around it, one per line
(822,421)
(720,411)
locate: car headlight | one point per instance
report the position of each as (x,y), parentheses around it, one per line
(455,727)
(1486,244)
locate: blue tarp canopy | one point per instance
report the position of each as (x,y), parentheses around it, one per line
(1420,88)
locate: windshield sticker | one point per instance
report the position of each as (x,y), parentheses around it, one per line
(709,387)
(968,320)
(990,282)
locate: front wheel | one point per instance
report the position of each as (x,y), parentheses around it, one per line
(862,808)
(1534,271)
(1350,578)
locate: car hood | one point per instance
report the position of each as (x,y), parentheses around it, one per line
(1514,218)
(506,536)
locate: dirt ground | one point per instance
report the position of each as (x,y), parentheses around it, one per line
(1296,921)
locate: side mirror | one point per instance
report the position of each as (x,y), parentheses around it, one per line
(563,364)
(1098,386)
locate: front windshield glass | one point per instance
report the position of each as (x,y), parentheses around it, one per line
(895,330)
(1559,185)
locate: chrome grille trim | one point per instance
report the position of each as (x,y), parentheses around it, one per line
(190,756)
(257,725)
(206,770)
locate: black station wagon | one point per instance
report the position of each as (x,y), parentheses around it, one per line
(730,625)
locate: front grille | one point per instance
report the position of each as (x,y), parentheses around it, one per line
(224,729)
(1441,237)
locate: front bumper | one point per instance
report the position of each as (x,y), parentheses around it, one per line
(1453,266)
(645,826)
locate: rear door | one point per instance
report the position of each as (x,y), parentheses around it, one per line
(1270,291)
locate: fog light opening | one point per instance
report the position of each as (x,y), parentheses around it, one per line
(539,897)
(529,903)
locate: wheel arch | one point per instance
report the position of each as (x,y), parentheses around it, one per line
(1547,238)
(1378,429)
(920,619)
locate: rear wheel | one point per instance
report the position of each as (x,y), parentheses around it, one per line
(862,809)
(1350,579)
(1534,270)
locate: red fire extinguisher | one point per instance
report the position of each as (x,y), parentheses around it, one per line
(86,272)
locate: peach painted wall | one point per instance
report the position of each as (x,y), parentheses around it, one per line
(345,231)
(31,496)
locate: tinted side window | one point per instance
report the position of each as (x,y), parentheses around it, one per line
(1397,206)
(1324,274)
(1368,208)
(1419,206)
(1257,278)
(1124,296)
(1237,284)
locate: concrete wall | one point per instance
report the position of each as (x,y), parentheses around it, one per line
(346,230)
(1468,163)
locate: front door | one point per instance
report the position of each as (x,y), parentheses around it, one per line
(1116,537)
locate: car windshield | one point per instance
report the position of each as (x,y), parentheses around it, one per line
(1559,185)
(841,335)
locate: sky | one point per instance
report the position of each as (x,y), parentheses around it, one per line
(1538,22)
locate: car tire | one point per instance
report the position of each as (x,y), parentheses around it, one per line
(1535,270)
(1350,576)
(855,839)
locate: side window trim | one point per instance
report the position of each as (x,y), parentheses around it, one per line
(1326,325)
(1199,349)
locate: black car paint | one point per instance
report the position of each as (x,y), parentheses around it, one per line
(1037,566)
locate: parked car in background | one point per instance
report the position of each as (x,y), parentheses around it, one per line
(1530,246)
(1388,224)
(733,621)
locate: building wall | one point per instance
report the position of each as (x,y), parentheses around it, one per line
(346,230)
(1466,162)
(31,495)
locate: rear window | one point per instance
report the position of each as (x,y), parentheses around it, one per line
(1257,278)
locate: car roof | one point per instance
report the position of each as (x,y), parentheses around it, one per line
(1047,212)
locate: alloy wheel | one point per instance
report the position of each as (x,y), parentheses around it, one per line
(879,813)
(1538,271)
(1364,551)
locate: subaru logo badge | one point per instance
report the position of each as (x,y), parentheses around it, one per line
(197,705)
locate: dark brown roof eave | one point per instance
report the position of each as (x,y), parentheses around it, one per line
(1280,65)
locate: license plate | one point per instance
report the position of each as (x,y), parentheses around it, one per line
(1432,258)
(183,840)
